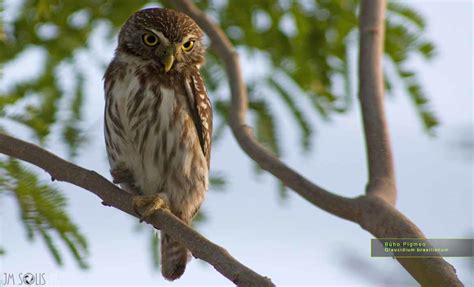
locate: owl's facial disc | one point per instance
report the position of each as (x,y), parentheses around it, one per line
(164,52)
(168,52)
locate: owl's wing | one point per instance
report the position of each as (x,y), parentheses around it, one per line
(202,112)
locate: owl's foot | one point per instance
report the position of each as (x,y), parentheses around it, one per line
(146,205)
(121,174)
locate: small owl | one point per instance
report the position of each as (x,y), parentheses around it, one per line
(158,120)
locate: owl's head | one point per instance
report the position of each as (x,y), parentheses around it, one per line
(169,38)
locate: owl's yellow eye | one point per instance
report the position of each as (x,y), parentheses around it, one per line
(150,40)
(188,46)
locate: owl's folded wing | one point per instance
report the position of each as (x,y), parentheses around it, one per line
(202,112)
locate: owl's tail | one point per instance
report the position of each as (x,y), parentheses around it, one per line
(174,257)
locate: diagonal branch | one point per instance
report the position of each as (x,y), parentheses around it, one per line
(62,170)
(371,96)
(332,203)
(375,214)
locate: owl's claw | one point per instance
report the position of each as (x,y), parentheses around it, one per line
(146,205)
(121,175)
(124,177)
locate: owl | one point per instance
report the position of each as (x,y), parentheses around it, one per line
(158,121)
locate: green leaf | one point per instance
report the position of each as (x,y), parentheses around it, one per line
(72,133)
(421,103)
(50,244)
(265,125)
(217,182)
(430,121)
(282,191)
(427,49)
(155,249)
(406,13)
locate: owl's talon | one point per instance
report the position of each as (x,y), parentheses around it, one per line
(146,205)
(121,174)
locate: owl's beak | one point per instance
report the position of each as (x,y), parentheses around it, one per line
(168,62)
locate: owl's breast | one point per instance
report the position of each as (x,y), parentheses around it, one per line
(149,129)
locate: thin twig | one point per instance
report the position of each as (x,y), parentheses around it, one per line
(200,247)
(371,98)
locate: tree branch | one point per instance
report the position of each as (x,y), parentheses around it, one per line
(375,214)
(62,170)
(371,96)
(332,203)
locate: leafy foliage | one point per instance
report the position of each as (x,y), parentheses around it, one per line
(265,125)
(72,133)
(42,211)
(309,43)
(302,51)
(404,28)
(217,181)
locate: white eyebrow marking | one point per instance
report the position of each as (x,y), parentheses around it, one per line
(191,36)
(160,35)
